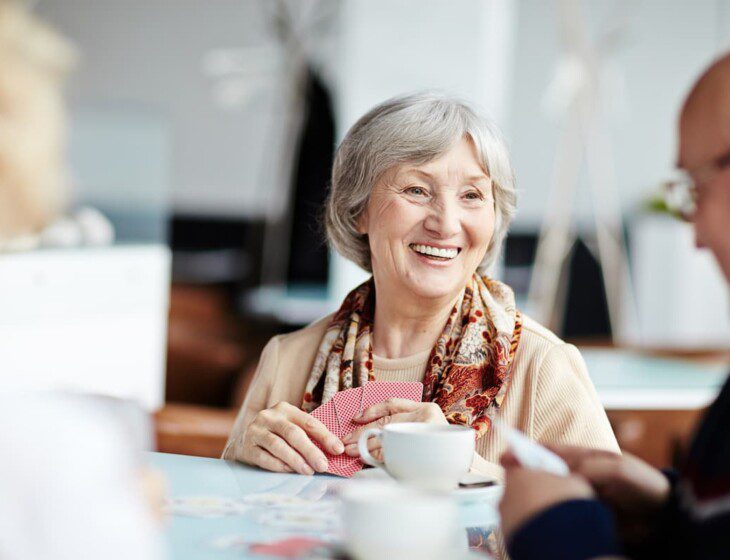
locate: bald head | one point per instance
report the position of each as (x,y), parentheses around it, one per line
(709,100)
(704,136)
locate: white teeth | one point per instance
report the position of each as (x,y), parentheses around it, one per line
(435,251)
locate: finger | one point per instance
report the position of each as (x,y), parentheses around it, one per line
(353,449)
(280,449)
(377,454)
(508,460)
(298,440)
(353,436)
(385,408)
(600,471)
(317,430)
(266,460)
(573,455)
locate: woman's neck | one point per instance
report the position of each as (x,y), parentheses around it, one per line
(406,326)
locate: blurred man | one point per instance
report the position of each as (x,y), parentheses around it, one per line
(70,467)
(618,506)
(33,63)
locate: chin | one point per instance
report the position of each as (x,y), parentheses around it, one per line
(428,287)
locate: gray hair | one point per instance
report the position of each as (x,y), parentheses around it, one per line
(412,129)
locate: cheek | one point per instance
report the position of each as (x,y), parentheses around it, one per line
(481,228)
(393,218)
(713,210)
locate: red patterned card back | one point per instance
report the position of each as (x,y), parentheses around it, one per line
(347,406)
(340,465)
(378,391)
(344,465)
(337,415)
(327,415)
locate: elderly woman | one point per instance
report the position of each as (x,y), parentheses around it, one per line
(422,195)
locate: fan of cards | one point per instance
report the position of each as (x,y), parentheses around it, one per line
(337,414)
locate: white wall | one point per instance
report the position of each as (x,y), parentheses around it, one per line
(667,44)
(500,54)
(390,47)
(148,55)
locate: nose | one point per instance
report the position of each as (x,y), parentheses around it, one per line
(444,220)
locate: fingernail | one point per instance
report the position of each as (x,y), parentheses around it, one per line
(322,465)
(347,439)
(351,450)
(306,469)
(338,447)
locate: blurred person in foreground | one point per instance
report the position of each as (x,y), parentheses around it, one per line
(616,506)
(72,482)
(422,196)
(33,64)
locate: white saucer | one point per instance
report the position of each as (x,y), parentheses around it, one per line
(490,494)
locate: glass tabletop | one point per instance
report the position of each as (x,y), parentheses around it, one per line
(220,509)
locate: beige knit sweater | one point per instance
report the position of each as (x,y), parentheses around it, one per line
(551,397)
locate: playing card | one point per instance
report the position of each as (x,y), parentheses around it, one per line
(204,506)
(295,519)
(327,415)
(340,465)
(344,465)
(270,500)
(337,415)
(292,547)
(376,392)
(347,406)
(529,453)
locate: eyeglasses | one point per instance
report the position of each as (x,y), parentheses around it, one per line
(680,193)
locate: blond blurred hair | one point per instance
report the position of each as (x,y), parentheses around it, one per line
(33,63)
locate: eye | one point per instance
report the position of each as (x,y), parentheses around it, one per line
(416,191)
(473,195)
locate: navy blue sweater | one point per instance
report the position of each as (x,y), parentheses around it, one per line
(694,524)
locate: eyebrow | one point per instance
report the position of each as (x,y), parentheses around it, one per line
(477,178)
(471,179)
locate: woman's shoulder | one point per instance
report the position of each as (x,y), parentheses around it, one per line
(535,334)
(301,340)
(538,334)
(537,341)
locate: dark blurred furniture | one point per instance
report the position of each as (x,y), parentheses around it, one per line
(659,437)
(211,357)
(198,430)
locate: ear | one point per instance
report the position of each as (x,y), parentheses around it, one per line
(363,222)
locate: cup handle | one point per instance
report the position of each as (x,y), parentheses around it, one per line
(362,446)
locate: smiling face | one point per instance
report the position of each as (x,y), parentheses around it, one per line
(429,225)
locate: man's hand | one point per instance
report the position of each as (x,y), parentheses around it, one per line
(635,490)
(528,492)
(278,440)
(392,410)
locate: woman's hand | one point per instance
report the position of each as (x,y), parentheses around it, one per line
(278,440)
(528,492)
(392,410)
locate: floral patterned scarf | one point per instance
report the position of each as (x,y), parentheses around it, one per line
(468,370)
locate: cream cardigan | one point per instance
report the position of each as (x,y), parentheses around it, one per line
(551,397)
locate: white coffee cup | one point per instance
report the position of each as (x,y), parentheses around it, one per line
(429,456)
(386,520)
